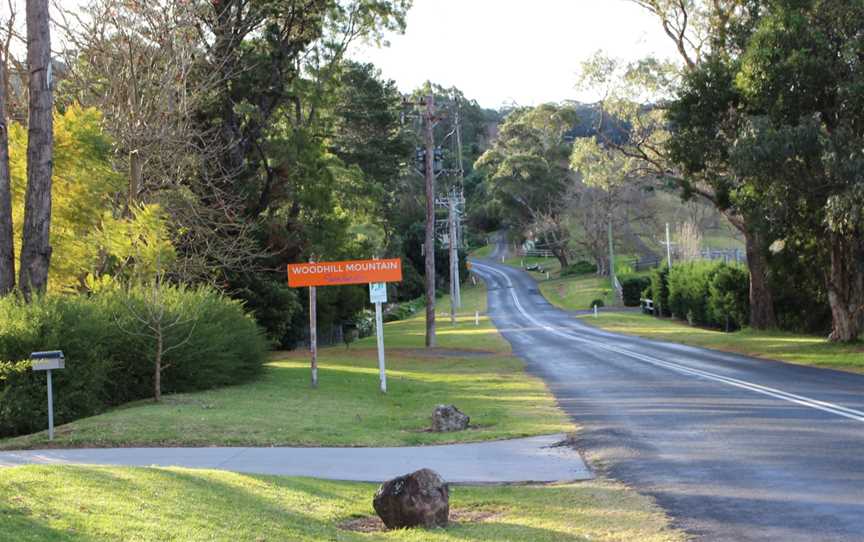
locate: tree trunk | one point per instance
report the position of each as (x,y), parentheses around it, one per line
(36,247)
(157,371)
(561,255)
(7,241)
(762,314)
(845,286)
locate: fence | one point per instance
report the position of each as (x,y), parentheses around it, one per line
(534,252)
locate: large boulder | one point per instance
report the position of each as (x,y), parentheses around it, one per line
(448,418)
(421,498)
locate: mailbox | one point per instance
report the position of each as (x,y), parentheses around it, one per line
(46,361)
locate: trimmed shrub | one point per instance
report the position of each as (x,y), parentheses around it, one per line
(597,303)
(729,297)
(659,290)
(632,287)
(689,290)
(579,268)
(109,354)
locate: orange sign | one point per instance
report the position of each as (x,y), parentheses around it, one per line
(349,272)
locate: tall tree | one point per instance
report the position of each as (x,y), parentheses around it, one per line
(800,82)
(7,241)
(36,244)
(527,168)
(699,29)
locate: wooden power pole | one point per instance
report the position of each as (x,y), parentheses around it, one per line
(429,132)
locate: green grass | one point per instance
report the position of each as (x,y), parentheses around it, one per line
(552,265)
(577,293)
(76,504)
(483,252)
(776,345)
(472,368)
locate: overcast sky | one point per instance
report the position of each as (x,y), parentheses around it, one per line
(504,51)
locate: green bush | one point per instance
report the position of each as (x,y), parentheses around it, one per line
(579,268)
(632,287)
(729,298)
(403,311)
(689,291)
(597,303)
(109,353)
(710,294)
(659,290)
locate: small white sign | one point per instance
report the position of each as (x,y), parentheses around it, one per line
(378,292)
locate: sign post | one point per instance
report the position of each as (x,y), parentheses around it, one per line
(313,333)
(378,295)
(48,361)
(374,272)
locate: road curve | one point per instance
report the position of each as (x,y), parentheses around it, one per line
(734,448)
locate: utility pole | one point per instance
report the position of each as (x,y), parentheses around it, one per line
(668,247)
(612,278)
(454,258)
(429,126)
(454,252)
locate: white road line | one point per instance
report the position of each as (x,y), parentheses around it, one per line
(683,369)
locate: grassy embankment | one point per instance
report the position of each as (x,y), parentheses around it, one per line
(64,503)
(777,345)
(568,293)
(76,504)
(472,368)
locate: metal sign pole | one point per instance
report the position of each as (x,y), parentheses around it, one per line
(377,296)
(379,332)
(50,408)
(313,334)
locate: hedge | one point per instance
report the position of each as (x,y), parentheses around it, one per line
(658,291)
(709,294)
(109,358)
(579,268)
(632,287)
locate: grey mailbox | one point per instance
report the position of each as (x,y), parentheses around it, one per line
(49,361)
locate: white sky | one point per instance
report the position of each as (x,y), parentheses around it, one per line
(504,51)
(501,52)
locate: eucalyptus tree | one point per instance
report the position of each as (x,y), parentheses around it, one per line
(527,170)
(36,241)
(800,83)
(7,240)
(658,99)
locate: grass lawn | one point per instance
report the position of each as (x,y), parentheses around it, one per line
(777,345)
(577,293)
(483,252)
(472,368)
(72,504)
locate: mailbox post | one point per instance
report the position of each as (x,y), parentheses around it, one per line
(48,361)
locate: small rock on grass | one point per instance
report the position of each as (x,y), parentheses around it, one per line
(419,499)
(448,418)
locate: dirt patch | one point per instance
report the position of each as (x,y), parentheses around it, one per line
(458,516)
(444,353)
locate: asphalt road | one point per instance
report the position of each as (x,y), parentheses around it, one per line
(735,449)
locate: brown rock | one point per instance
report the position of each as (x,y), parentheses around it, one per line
(448,418)
(421,498)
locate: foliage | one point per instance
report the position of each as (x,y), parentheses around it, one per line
(85,186)
(107,361)
(689,291)
(579,268)
(633,286)
(659,290)
(728,297)
(709,294)
(404,310)
(597,303)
